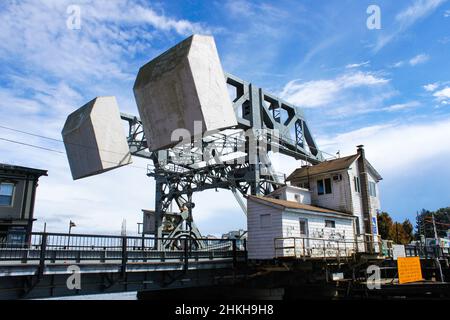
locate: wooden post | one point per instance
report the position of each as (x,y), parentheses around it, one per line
(234,253)
(42,255)
(124,257)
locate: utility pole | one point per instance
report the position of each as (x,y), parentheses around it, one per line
(436,239)
(396,231)
(434,226)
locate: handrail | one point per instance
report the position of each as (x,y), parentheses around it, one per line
(44,247)
(308,244)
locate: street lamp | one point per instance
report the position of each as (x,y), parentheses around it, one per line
(71,225)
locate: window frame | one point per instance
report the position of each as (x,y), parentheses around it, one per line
(372,189)
(333,223)
(303,221)
(11,204)
(324,186)
(303,185)
(357,184)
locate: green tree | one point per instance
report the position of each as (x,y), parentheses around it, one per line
(424,223)
(401,233)
(408,231)
(385,225)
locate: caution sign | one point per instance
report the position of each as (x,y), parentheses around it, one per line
(409,270)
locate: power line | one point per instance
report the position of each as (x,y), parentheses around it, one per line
(57,151)
(30,134)
(59,140)
(86,146)
(31,145)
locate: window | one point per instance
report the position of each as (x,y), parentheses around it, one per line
(372,189)
(358,228)
(303,227)
(357,184)
(304,185)
(327,186)
(265,220)
(330,224)
(324,186)
(6,194)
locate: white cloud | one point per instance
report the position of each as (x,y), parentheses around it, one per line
(112,33)
(402,106)
(357,65)
(319,93)
(395,148)
(443,96)
(447,13)
(431,86)
(421,58)
(399,64)
(407,18)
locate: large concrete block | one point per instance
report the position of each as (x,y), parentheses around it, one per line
(94,138)
(183,85)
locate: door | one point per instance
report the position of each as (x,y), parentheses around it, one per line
(304,234)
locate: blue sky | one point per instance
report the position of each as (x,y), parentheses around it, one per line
(388,89)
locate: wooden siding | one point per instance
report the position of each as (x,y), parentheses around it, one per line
(286,223)
(260,241)
(338,199)
(343,231)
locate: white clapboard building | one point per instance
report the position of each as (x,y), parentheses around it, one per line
(328,210)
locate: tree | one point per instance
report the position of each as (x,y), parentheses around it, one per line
(408,230)
(400,233)
(424,226)
(385,225)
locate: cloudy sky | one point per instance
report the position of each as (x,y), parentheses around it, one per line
(386,88)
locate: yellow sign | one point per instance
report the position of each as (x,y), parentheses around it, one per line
(409,270)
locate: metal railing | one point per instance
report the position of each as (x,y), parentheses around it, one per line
(427,252)
(313,247)
(44,248)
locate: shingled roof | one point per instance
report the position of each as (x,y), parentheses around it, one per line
(294,205)
(323,167)
(330,166)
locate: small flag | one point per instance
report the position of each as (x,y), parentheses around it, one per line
(72,224)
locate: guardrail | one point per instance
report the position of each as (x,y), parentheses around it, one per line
(44,248)
(311,247)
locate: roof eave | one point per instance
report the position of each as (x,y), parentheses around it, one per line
(321,213)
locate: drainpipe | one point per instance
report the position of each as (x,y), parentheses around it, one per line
(365,197)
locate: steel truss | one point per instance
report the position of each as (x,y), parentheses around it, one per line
(234,159)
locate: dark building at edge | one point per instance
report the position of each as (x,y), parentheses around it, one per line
(17,196)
